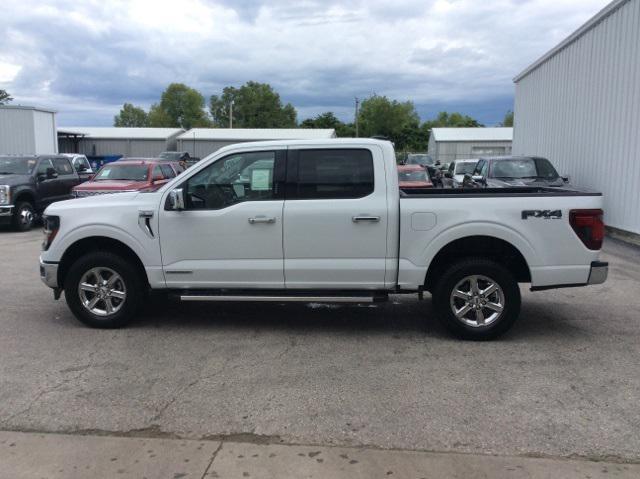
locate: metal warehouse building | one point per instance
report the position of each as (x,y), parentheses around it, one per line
(109,141)
(27,130)
(579,106)
(200,142)
(447,144)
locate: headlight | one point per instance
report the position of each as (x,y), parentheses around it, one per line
(51,227)
(5,194)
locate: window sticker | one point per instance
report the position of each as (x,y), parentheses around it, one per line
(260,180)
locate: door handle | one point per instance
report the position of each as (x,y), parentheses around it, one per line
(261,219)
(373,219)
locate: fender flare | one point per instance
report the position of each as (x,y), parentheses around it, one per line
(480,228)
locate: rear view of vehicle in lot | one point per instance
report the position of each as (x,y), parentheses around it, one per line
(413,177)
(321,221)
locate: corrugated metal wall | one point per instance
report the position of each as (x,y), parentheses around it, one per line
(202,148)
(581,109)
(44,127)
(450,150)
(16,131)
(135,148)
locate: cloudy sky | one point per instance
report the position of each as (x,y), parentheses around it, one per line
(84,58)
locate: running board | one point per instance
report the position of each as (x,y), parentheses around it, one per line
(284,298)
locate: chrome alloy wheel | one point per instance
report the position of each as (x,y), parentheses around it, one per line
(25,217)
(477,301)
(102,291)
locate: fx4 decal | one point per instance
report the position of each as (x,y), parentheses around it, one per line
(545,214)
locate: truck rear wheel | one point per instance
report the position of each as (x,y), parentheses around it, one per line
(103,290)
(477,298)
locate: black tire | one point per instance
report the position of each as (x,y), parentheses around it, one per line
(484,268)
(23,216)
(131,279)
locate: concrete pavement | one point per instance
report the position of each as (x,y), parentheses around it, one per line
(564,382)
(54,456)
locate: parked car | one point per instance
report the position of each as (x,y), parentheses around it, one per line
(177,165)
(427,161)
(129,175)
(454,176)
(413,176)
(320,221)
(81,165)
(28,184)
(507,171)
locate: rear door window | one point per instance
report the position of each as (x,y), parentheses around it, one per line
(62,166)
(331,174)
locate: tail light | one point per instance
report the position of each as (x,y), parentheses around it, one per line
(51,227)
(589,227)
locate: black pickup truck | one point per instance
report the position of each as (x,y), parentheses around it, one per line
(28,184)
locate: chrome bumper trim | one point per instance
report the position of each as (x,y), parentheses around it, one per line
(599,272)
(49,274)
(6,210)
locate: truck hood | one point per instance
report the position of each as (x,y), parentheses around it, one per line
(112,185)
(116,200)
(15,180)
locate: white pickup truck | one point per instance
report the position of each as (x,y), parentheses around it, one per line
(320,221)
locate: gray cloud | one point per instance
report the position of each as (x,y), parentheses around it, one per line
(86,58)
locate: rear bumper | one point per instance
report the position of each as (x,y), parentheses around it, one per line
(597,275)
(599,272)
(49,274)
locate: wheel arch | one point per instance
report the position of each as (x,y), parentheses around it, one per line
(25,195)
(496,249)
(98,243)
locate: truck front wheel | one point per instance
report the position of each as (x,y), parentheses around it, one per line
(23,216)
(103,290)
(477,298)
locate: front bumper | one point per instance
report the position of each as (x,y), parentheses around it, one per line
(6,213)
(49,274)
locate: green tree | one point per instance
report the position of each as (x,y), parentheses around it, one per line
(395,120)
(180,107)
(323,120)
(508,119)
(5,97)
(131,116)
(255,105)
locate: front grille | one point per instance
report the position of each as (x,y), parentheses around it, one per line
(85,193)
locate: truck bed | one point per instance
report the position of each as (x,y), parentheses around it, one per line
(516,191)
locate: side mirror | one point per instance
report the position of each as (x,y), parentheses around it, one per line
(51,173)
(175,200)
(82,168)
(566,178)
(447,174)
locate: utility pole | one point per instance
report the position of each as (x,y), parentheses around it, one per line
(357,103)
(231,114)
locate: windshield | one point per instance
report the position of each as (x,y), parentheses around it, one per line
(17,165)
(419,175)
(420,160)
(536,168)
(465,168)
(122,172)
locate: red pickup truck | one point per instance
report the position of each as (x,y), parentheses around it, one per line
(129,174)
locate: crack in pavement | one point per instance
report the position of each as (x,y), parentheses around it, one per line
(81,372)
(213,458)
